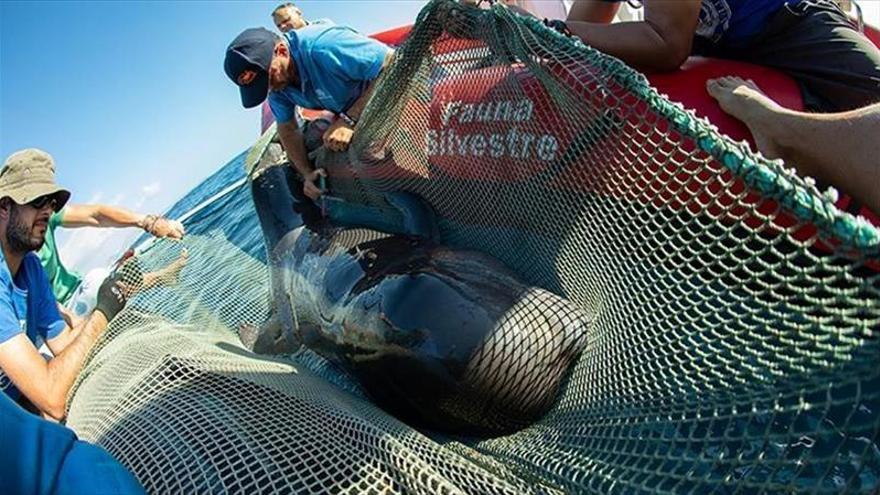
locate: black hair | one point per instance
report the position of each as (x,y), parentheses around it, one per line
(283,6)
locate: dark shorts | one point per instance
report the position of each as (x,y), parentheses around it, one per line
(814,42)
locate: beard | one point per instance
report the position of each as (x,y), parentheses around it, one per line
(18,234)
(291,77)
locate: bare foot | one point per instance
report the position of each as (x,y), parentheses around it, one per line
(168,275)
(744,100)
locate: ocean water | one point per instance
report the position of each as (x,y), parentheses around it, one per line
(232,214)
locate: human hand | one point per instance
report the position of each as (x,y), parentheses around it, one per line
(338,136)
(309,186)
(112,296)
(164,227)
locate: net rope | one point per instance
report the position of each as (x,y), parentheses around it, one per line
(735,341)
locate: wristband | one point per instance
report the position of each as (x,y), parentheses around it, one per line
(348,120)
(148,222)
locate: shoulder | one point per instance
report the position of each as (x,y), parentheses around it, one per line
(328,35)
(306,36)
(34,269)
(57,217)
(5,276)
(316,29)
(344,43)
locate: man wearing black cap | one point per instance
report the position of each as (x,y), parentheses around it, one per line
(320,67)
(29,315)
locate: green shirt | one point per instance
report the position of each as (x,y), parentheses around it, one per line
(63,282)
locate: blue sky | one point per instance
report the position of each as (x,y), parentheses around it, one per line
(131,99)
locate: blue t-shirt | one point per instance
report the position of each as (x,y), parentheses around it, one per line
(43,457)
(335,65)
(27,306)
(734,22)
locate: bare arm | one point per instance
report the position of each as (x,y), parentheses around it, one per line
(100,216)
(292,141)
(593,11)
(46,384)
(113,216)
(68,335)
(661,42)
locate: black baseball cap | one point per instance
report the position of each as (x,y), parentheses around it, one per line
(251,51)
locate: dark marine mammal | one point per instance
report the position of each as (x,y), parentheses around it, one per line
(441,338)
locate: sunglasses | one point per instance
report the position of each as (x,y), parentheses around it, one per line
(42,201)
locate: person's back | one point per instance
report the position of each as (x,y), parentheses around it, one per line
(328,81)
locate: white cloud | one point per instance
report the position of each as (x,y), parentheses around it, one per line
(151,189)
(83,249)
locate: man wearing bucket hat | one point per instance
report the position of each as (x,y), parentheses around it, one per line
(29,315)
(320,66)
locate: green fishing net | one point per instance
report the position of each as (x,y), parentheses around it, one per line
(735,342)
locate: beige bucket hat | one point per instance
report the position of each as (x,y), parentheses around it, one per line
(29,174)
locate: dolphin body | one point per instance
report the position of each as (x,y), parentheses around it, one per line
(444,339)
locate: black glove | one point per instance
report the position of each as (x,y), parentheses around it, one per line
(111,296)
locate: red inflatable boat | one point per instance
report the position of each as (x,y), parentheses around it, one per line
(686,86)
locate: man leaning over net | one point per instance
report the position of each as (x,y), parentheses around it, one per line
(321,66)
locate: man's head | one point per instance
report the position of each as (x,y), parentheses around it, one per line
(256,60)
(28,196)
(287,16)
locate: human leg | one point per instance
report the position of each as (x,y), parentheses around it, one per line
(167,275)
(837,67)
(841,149)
